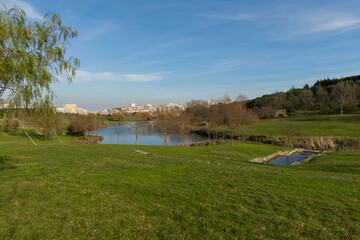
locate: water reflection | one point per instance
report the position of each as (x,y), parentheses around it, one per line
(125,133)
(288,160)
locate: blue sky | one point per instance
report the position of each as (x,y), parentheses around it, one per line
(164,51)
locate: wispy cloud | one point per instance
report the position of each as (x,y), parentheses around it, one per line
(31,12)
(330,22)
(101,28)
(142,77)
(173,42)
(234,17)
(85,76)
(226,65)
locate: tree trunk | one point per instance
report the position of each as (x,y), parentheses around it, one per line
(341,110)
(165,140)
(232,138)
(209,138)
(321,109)
(137,136)
(215,137)
(289,142)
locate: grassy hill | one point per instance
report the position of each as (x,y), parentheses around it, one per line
(71,191)
(348,125)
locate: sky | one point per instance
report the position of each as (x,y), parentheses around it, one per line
(161,51)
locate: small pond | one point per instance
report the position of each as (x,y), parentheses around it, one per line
(288,160)
(146,136)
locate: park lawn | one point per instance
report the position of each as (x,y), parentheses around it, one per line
(67,191)
(348,125)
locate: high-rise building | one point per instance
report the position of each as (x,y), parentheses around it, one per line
(70,107)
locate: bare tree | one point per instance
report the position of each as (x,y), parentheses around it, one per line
(118,129)
(215,120)
(278,100)
(322,97)
(307,99)
(198,112)
(184,125)
(11,124)
(138,126)
(344,93)
(45,122)
(236,115)
(83,124)
(165,124)
(241,98)
(248,117)
(225,99)
(292,101)
(266,111)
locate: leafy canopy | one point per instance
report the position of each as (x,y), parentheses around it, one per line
(33,55)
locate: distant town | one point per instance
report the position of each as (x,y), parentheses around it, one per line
(133,108)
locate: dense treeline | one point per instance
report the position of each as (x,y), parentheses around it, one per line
(328,83)
(335,96)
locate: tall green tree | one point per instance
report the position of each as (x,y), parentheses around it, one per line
(33,55)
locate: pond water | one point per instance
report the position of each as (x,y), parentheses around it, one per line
(146,136)
(288,160)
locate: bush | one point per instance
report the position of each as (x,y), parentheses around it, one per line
(117,117)
(143,116)
(11,124)
(81,125)
(351,109)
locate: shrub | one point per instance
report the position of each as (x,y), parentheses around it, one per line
(83,124)
(11,124)
(117,117)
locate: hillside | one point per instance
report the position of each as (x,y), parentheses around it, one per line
(111,192)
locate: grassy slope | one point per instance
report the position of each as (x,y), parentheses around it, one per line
(88,191)
(309,126)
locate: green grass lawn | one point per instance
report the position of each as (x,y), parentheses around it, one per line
(348,125)
(67,191)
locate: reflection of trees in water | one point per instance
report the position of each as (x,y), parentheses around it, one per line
(117,128)
(140,128)
(176,138)
(179,138)
(288,160)
(145,128)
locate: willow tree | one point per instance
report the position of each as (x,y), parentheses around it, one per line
(33,55)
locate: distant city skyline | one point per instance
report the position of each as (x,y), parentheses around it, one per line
(174,51)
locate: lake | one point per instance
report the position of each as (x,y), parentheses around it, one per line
(147,136)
